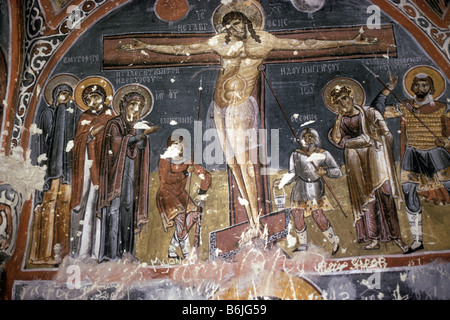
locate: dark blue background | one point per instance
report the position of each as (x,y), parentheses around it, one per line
(138,17)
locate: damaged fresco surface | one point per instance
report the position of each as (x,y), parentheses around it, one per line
(224,149)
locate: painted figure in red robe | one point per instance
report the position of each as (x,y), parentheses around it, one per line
(94,94)
(174,202)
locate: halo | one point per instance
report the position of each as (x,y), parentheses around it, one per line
(148,96)
(433,73)
(66,78)
(95,80)
(359,94)
(252,10)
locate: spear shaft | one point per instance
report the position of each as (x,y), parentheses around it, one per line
(199,221)
(298,139)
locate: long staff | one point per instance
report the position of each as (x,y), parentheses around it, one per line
(199,221)
(298,139)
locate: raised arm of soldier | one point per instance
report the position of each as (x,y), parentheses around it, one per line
(379,103)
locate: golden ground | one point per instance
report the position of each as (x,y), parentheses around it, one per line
(153,242)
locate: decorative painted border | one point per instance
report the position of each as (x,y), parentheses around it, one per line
(439,36)
(54,18)
(38,49)
(40,45)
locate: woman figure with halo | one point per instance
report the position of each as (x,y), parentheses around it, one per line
(52,213)
(93,95)
(124,173)
(368,146)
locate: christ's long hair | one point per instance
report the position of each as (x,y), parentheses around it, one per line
(236,15)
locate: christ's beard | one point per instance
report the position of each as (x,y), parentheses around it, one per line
(238,35)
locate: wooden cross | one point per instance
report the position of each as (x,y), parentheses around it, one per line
(114,59)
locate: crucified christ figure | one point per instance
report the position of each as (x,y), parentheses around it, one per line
(242,50)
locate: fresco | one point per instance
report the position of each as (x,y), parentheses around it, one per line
(222,150)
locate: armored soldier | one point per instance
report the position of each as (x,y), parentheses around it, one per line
(425,131)
(308,193)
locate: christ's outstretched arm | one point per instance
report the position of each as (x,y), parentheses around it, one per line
(178,49)
(294,44)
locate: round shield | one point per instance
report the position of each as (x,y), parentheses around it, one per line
(359,94)
(94,80)
(148,104)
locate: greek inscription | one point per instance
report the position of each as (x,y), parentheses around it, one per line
(146,72)
(139,80)
(162,94)
(193,27)
(123,77)
(318,68)
(93,58)
(200,14)
(274,10)
(302,118)
(173,94)
(164,263)
(306,88)
(159,95)
(395,65)
(177,120)
(278,23)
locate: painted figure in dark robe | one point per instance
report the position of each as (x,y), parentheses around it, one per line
(424,142)
(52,214)
(124,178)
(367,142)
(307,166)
(94,94)
(175,203)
